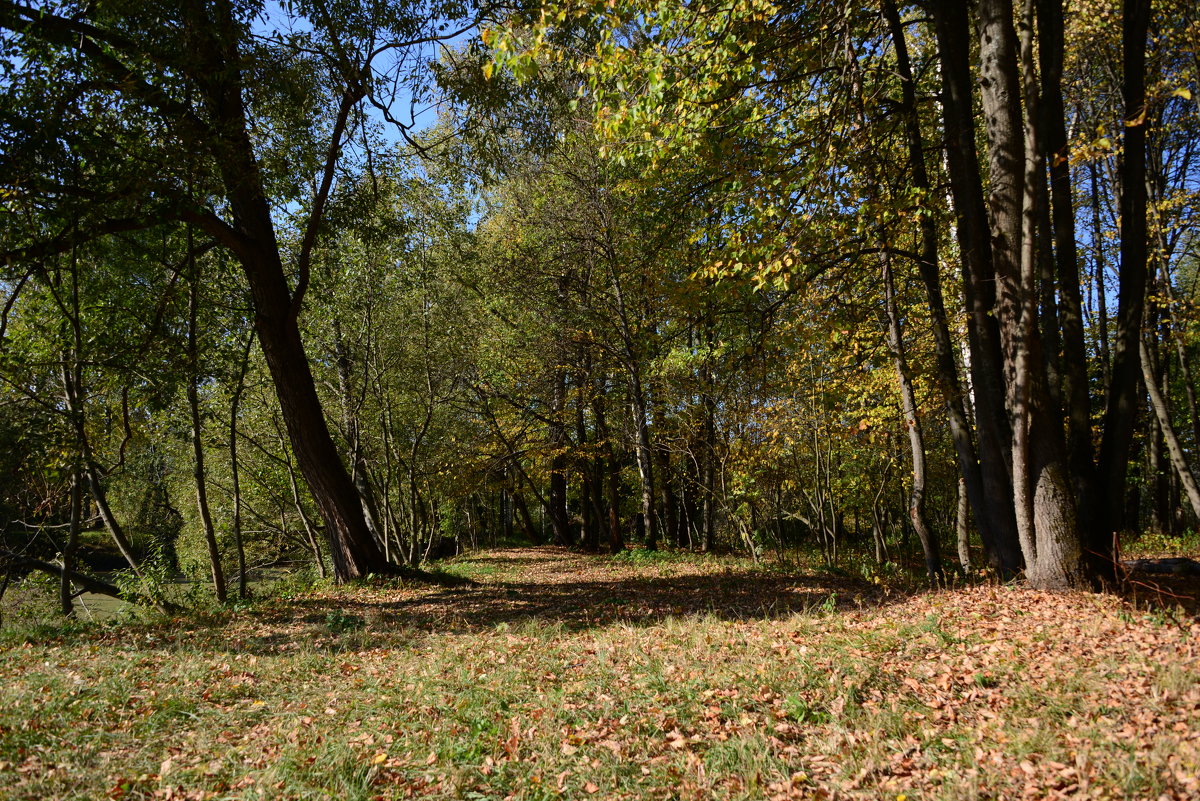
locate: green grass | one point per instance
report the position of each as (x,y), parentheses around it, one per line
(525,686)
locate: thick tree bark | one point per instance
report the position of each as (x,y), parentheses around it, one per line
(1044,502)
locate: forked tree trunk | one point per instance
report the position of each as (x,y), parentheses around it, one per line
(213,38)
(1043,498)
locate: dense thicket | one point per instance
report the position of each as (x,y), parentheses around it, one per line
(909,277)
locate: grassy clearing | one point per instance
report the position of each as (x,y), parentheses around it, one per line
(562,676)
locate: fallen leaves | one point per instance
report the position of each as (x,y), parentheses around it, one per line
(577,676)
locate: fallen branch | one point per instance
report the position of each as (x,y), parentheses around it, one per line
(87,583)
(1177,566)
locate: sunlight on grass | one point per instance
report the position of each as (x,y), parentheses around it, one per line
(393,690)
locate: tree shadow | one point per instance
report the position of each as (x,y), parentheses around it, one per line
(585,604)
(578,593)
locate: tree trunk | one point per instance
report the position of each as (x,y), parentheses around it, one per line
(616,542)
(1053,131)
(558,458)
(979,282)
(908,405)
(670,504)
(234,471)
(354,450)
(1120,412)
(1178,460)
(1101,289)
(1044,503)
(84,582)
(198,475)
(947,369)
(91,470)
(645,457)
(214,40)
(962,528)
(66,596)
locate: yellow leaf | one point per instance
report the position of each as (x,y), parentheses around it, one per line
(1186,94)
(487,71)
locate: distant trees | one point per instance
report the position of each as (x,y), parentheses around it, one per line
(767,101)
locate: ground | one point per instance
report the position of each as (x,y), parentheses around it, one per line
(559,675)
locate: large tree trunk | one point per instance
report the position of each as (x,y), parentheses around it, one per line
(214,40)
(1053,130)
(1120,412)
(947,368)
(1044,503)
(979,284)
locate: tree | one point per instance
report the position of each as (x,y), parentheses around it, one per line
(201,86)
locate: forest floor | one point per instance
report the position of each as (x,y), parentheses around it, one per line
(558,675)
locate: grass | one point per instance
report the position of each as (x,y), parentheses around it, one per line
(556,675)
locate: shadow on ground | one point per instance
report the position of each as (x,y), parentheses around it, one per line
(579,592)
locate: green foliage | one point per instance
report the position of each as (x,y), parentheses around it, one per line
(339,622)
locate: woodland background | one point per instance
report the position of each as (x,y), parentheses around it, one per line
(364,284)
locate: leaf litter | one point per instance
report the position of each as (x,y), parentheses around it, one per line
(560,675)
